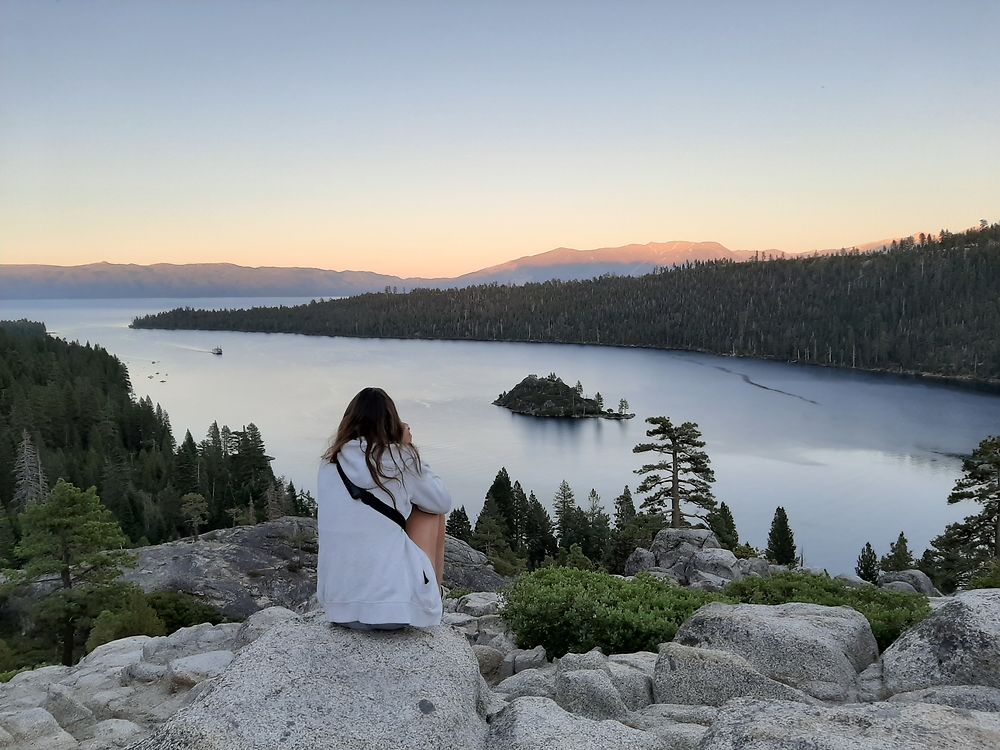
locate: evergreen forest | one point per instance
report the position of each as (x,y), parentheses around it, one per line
(67,411)
(928,304)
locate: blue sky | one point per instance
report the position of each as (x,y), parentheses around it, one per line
(435,138)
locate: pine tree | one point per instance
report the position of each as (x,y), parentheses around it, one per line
(981,483)
(867,567)
(500,496)
(623,406)
(563,505)
(899,557)
(72,535)
(187,466)
(490,536)
(962,551)
(599,399)
(597,536)
(723,525)
(540,541)
(519,519)
(275,501)
(194,509)
(686,477)
(624,508)
(780,540)
(578,388)
(458,524)
(30,484)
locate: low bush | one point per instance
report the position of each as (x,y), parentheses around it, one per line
(888,612)
(987,579)
(179,610)
(134,617)
(570,610)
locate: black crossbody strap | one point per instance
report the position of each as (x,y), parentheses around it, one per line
(359,493)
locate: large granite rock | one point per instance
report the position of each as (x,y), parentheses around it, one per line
(306,684)
(248,568)
(238,571)
(706,677)
(692,557)
(959,644)
(779,725)
(535,723)
(818,650)
(467,568)
(972,697)
(919,580)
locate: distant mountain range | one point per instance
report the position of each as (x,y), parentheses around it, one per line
(120,280)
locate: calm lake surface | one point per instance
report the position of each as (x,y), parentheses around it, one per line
(852,457)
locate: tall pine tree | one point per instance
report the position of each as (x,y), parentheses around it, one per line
(867,567)
(681,476)
(981,483)
(73,536)
(624,508)
(780,540)
(540,541)
(458,524)
(899,557)
(723,525)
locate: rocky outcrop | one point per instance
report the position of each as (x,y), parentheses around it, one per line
(693,557)
(533,723)
(818,650)
(467,568)
(749,683)
(959,644)
(238,571)
(917,580)
(972,697)
(780,725)
(248,568)
(305,683)
(706,677)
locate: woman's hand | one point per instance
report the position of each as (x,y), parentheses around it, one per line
(407,437)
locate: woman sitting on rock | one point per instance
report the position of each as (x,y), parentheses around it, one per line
(381,523)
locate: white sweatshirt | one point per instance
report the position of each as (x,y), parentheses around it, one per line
(369,570)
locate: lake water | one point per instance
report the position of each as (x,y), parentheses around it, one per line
(852,457)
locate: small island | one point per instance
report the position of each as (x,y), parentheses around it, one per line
(551,397)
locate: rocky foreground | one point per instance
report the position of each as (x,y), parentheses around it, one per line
(747,677)
(735,677)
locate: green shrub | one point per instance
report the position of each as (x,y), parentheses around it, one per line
(12,673)
(458,592)
(888,612)
(178,610)
(569,610)
(134,617)
(988,579)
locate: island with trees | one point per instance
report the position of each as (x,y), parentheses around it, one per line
(551,397)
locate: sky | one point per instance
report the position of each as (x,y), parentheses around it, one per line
(436,138)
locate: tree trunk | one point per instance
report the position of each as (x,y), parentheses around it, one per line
(675,520)
(69,636)
(996,536)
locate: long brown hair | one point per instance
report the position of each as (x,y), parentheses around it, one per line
(372,415)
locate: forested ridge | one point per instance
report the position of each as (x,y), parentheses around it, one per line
(68,411)
(929,304)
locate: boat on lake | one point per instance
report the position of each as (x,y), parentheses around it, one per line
(217,350)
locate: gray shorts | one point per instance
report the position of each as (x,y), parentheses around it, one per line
(369,626)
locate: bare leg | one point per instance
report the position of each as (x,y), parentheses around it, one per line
(427,532)
(439,559)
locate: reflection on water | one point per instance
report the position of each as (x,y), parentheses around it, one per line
(853,457)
